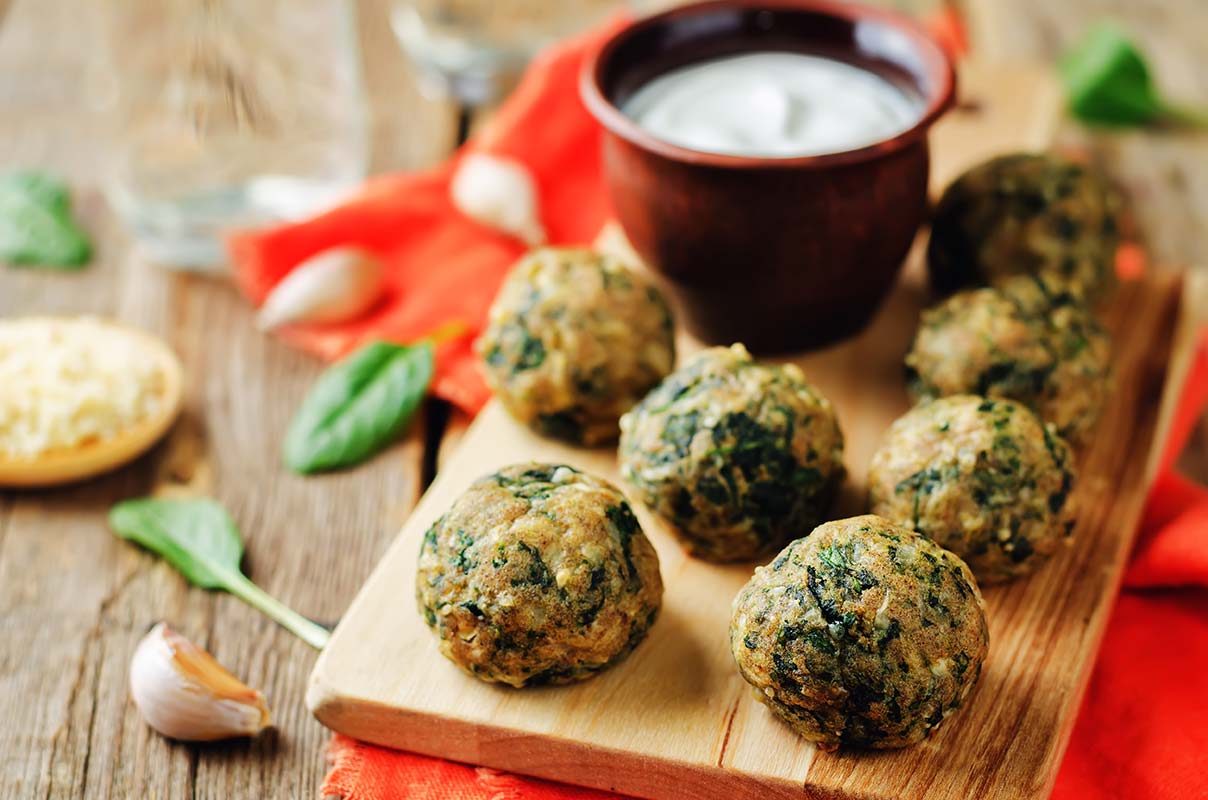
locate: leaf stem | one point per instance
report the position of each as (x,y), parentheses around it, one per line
(1185,115)
(241,586)
(453,329)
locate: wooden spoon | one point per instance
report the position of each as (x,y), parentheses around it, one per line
(91,458)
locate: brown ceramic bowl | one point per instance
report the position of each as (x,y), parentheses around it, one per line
(779,253)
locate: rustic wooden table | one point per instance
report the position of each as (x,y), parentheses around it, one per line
(74,600)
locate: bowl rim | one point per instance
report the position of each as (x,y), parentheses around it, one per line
(98,456)
(936,62)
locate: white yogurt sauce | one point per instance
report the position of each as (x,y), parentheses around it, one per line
(772,104)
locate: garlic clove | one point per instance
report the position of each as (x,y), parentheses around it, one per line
(612,241)
(185,694)
(498,192)
(337,284)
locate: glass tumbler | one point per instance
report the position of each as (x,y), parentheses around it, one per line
(229,113)
(474,49)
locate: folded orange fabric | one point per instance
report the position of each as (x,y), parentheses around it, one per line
(1143,728)
(363,772)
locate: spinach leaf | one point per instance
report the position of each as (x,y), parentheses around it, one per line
(358,406)
(36,227)
(1109,83)
(48,192)
(199,538)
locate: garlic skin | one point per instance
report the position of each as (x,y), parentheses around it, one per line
(335,285)
(498,192)
(185,694)
(612,241)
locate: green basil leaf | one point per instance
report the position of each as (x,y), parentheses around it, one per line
(36,227)
(1108,82)
(358,406)
(199,538)
(50,193)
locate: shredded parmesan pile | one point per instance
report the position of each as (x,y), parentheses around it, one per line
(65,383)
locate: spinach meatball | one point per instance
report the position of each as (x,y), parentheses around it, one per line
(1031,340)
(574,339)
(1025,213)
(539,573)
(983,478)
(740,457)
(861,634)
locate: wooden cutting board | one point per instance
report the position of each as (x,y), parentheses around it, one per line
(674,719)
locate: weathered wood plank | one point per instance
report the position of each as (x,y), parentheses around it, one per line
(73,599)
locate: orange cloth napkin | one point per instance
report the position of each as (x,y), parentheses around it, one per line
(1143,729)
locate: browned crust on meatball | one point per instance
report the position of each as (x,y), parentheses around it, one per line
(539,573)
(983,478)
(739,456)
(861,634)
(1031,340)
(574,339)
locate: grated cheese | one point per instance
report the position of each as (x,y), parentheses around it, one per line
(66,383)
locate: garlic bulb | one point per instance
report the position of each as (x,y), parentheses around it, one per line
(335,285)
(499,192)
(185,694)
(612,241)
